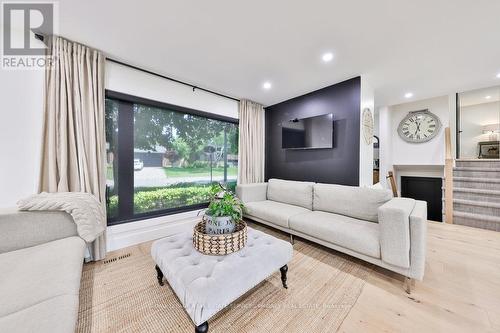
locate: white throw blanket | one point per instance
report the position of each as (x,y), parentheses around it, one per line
(86,210)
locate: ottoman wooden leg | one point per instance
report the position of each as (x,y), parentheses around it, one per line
(203,328)
(159,275)
(283,271)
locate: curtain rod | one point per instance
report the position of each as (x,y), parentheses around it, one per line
(41,37)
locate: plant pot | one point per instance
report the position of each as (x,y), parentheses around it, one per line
(219,225)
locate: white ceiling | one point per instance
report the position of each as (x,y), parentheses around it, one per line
(428,47)
(480,96)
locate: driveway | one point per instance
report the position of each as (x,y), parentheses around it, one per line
(156,177)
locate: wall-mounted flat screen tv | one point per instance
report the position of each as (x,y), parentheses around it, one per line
(308,133)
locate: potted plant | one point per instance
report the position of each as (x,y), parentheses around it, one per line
(224,210)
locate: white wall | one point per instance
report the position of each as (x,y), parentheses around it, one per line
(385,144)
(365,150)
(427,153)
(133,82)
(376,131)
(452,122)
(21,95)
(415,158)
(472,119)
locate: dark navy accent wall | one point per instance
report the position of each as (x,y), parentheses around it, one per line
(339,165)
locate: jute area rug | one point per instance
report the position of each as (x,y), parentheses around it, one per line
(121,294)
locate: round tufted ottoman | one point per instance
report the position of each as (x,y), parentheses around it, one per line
(206,284)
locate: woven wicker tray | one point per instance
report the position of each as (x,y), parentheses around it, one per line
(219,245)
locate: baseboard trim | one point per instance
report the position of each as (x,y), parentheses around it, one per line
(128,234)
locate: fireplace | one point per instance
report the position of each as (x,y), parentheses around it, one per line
(427,189)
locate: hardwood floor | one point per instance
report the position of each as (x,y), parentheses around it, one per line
(460,291)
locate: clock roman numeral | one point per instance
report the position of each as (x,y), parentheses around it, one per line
(418,126)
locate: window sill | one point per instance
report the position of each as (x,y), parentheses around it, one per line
(127,234)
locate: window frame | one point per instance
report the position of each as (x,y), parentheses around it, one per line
(125,156)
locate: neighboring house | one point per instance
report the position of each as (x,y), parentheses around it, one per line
(232,159)
(151,158)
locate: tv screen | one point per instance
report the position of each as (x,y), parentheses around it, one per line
(308,133)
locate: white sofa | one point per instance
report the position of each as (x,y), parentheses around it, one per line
(41,260)
(365,223)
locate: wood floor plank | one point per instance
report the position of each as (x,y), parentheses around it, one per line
(460,291)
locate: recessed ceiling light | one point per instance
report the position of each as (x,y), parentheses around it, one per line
(267,85)
(327,57)
(408,95)
(498,76)
(488,97)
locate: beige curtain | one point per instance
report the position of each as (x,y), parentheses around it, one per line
(251,143)
(73,144)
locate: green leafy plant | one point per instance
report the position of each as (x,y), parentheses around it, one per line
(224,203)
(182,194)
(181,147)
(199,164)
(146,200)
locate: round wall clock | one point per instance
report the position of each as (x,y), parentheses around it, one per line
(419,126)
(367,126)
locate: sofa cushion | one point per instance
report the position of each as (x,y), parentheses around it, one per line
(357,202)
(252,192)
(19,229)
(36,274)
(55,315)
(353,234)
(291,192)
(275,212)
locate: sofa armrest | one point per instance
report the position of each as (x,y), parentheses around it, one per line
(20,229)
(394,222)
(252,192)
(418,237)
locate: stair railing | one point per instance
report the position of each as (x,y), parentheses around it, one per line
(448,177)
(392,181)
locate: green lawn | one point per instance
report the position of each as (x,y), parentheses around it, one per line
(173,172)
(187,172)
(109,173)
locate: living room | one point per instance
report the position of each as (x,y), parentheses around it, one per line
(250,167)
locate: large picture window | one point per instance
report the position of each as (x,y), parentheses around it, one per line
(162,159)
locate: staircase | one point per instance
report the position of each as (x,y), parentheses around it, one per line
(476,193)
